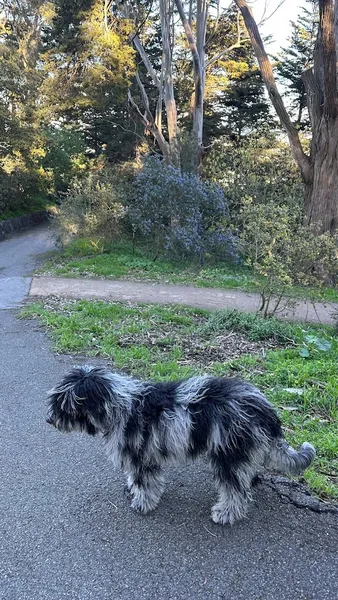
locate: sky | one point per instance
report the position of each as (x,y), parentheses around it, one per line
(279,24)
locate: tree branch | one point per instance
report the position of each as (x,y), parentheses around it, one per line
(313,97)
(266,17)
(148,120)
(300,157)
(140,49)
(124,128)
(190,38)
(198,74)
(220,54)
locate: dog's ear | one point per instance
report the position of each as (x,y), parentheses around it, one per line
(66,396)
(83,398)
(86,391)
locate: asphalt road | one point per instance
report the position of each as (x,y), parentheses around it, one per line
(66,531)
(18,257)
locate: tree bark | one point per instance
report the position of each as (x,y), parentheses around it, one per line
(321,192)
(198,69)
(149,122)
(169,95)
(199,74)
(319,170)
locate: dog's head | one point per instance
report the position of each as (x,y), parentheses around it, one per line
(81,402)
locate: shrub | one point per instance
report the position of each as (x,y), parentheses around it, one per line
(181,214)
(22,185)
(254,326)
(90,208)
(261,167)
(64,157)
(285,252)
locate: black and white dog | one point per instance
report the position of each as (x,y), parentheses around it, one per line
(147,424)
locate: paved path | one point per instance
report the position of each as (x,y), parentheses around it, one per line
(17,261)
(213,299)
(66,531)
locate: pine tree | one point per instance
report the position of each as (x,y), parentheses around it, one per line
(238,105)
(296,58)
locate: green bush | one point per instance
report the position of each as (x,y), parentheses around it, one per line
(253,325)
(261,167)
(64,158)
(287,253)
(91,208)
(22,184)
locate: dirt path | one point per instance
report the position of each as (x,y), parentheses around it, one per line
(209,298)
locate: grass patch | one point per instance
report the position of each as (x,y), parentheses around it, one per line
(306,392)
(251,324)
(163,342)
(89,258)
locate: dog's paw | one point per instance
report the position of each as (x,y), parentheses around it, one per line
(143,504)
(220,517)
(127,491)
(140,506)
(224,515)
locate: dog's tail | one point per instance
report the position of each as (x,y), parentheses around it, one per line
(285,459)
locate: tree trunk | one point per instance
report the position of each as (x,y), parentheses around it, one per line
(319,170)
(198,69)
(199,73)
(267,73)
(321,193)
(169,96)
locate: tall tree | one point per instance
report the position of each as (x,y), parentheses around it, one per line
(296,58)
(319,169)
(195,17)
(235,99)
(89,67)
(20,79)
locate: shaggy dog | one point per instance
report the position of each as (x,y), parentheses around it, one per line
(145,425)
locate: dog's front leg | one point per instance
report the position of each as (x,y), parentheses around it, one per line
(145,485)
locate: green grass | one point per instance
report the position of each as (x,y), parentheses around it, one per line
(253,325)
(171,342)
(87,258)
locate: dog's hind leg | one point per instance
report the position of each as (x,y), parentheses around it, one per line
(145,486)
(232,504)
(234,484)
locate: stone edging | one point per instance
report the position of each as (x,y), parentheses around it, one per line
(17,224)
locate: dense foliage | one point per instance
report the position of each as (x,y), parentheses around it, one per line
(182,214)
(65,72)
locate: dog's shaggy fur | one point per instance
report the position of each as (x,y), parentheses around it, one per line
(146,424)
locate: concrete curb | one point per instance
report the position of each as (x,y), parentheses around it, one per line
(18,224)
